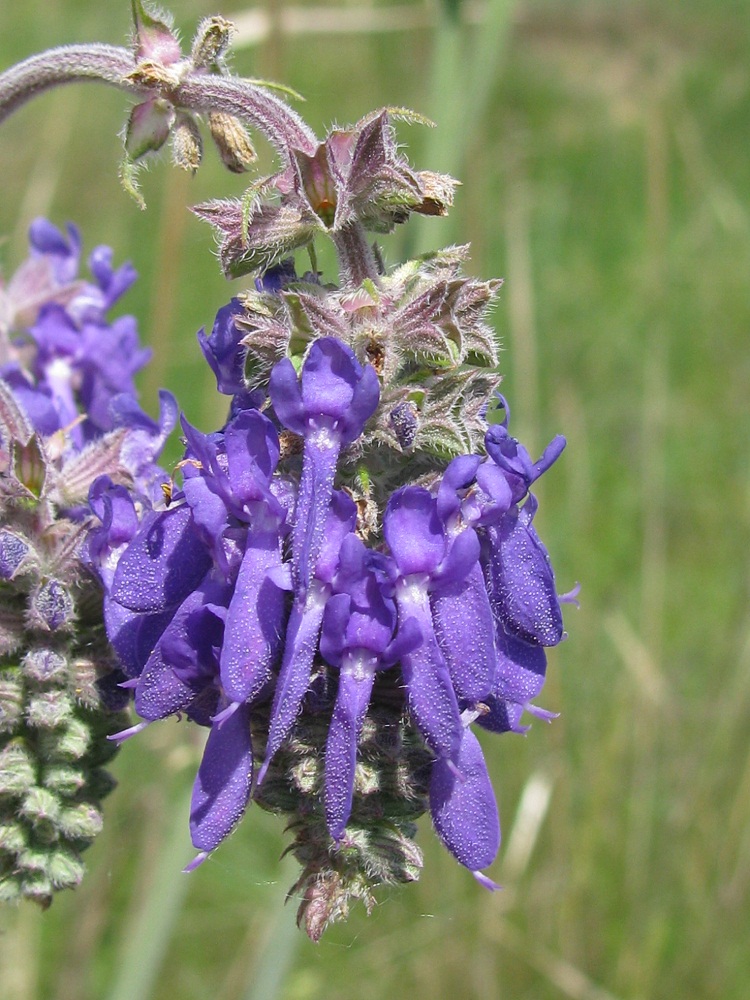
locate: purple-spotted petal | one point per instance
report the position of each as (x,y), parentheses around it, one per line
(465,630)
(255,620)
(522,583)
(294,677)
(432,699)
(462,557)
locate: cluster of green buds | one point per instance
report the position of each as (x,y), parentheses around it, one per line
(58,678)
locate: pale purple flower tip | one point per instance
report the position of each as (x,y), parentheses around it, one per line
(125,734)
(195,863)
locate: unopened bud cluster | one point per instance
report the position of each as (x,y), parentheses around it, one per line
(58,698)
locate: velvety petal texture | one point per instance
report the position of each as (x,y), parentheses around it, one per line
(222,786)
(463,806)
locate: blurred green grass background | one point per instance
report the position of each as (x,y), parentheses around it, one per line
(604,154)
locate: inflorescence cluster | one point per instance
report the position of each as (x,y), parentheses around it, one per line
(339,584)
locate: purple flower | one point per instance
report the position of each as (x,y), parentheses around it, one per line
(519,678)
(62,357)
(222,785)
(358,638)
(428,559)
(464,809)
(514,460)
(131,633)
(223,349)
(304,627)
(521,580)
(329,406)
(241,521)
(182,672)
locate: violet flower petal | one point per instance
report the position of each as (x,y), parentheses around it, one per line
(163,563)
(294,677)
(286,396)
(304,627)
(133,635)
(522,583)
(223,783)
(465,811)
(465,631)
(224,351)
(459,474)
(414,532)
(355,685)
(183,661)
(254,626)
(431,696)
(329,405)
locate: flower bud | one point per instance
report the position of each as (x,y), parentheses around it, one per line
(80,822)
(70,742)
(11,698)
(12,636)
(44,665)
(63,780)
(232,141)
(13,551)
(17,774)
(307,775)
(187,145)
(41,806)
(33,859)
(65,869)
(49,709)
(13,837)
(51,606)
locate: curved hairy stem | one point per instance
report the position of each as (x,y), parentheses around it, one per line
(192,91)
(67,64)
(258,107)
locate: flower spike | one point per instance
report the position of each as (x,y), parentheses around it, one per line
(339,582)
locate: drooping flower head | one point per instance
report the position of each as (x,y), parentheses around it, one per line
(346,577)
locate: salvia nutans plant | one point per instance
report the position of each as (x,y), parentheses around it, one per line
(339,584)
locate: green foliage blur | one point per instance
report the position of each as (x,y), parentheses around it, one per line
(605,159)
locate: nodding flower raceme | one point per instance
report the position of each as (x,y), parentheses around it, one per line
(344,583)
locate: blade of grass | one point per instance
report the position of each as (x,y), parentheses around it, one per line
(268,978)
(465,69)
(151,932)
